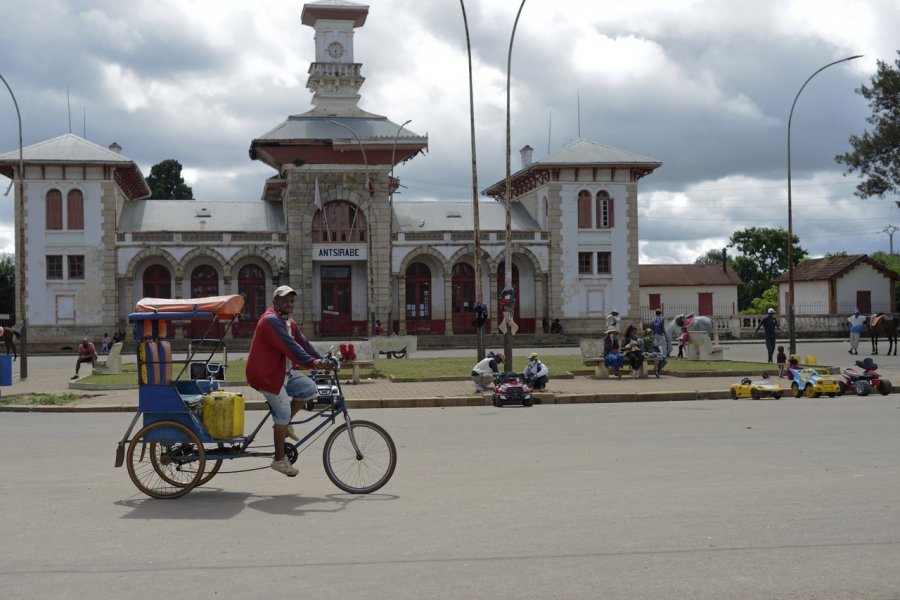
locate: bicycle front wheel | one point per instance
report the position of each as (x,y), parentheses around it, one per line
(365,471)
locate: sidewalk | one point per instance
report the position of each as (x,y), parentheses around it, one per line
(48,375)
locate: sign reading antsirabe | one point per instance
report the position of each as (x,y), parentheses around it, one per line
(342,252)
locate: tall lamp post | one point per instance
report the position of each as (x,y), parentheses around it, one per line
(20,242)
(476,225)
(507,263)
(790,248)
(369,241)
(390,322)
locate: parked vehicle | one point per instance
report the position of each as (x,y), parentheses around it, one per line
(861,381)
(510,388)
(812,384)
(756,389)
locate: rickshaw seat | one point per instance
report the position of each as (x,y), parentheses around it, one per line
(155,360)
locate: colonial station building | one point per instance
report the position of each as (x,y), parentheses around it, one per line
(326,224)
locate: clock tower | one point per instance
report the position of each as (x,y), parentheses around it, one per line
(334,79)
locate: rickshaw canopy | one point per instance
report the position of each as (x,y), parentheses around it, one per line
(216,307)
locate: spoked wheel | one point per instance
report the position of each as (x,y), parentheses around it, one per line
(367,471)
(181,458)
(166,460)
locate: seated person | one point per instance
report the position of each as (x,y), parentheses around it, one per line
(536,372)
(612,358)
(87,352)
(793,363)
(650,349)
(483,373)
(632,348)
(556,327)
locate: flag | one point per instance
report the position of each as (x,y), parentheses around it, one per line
(369,185)
(317,199)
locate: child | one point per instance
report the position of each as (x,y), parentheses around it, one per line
(792,364)
(781,358)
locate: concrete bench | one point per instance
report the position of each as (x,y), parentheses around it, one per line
(365,356)
(111,363)
(395,346)
(700,347)
(592,356)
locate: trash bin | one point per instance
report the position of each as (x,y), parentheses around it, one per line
(5,370)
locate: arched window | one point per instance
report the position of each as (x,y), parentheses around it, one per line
(157,282)
(75,210)
(339,221)
(604,210)
(584,209)
(204,282)
(54,210)
(418,292)
(252,286)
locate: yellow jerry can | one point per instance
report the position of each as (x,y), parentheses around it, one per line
(223,415)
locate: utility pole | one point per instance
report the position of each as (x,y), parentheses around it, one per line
(890,230)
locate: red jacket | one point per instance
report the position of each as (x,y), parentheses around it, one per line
(272,345)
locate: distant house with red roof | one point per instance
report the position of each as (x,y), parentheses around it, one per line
(683,289)
(839,285)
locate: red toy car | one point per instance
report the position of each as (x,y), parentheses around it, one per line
(861,381)
(510,388)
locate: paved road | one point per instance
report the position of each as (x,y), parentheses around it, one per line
(716,499)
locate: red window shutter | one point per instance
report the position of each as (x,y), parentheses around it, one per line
(75,209)
(612,213)
(54,209)
(584,210)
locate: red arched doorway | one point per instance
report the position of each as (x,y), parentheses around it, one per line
(252,286)
(463,298)
(157,282)
(204,282)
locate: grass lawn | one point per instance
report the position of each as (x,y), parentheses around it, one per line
(430,368)
(39,400)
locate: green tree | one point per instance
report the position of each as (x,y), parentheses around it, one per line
(768,299)
(8,285)
(166,183)
(712,257)
(875,156)
(763,256)
(892,262)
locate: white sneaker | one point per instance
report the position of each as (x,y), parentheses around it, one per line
(478,389)
(292,434)
(284,466)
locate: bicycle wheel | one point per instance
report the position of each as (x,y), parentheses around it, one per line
(151,465)
(181,459)
(367,471)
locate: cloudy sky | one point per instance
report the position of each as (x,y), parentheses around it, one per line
(705,86)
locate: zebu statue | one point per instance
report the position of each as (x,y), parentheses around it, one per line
(689,323)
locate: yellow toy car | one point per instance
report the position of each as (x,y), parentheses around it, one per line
(756,389)
(812,384)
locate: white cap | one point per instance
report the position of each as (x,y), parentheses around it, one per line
(283,290)
(770,311)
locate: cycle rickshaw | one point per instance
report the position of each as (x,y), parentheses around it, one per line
(177,448)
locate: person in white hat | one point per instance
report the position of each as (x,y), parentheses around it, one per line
(536,372)
(857,323)
(276,340)
(612,356)
(770,325)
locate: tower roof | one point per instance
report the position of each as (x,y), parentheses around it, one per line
(334,10)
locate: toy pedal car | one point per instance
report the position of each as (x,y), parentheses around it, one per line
(510,388)
(861,381)
(812,384)
(756,389)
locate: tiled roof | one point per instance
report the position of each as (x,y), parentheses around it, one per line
(827,268)
(687,275)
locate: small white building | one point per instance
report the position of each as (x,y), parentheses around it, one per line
(710,290)
(839,285)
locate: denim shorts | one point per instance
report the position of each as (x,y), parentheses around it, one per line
(296,387)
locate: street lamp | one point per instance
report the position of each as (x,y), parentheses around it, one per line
(507,269)
(476,225)
(390,322)
(369,241)
(20,242)
(791,332)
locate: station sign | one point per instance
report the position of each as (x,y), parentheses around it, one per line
(340,252)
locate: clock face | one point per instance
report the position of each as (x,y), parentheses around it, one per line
(335,50)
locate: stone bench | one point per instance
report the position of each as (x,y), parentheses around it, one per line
(592,356)
(365,355)
(111,363)
(395,346)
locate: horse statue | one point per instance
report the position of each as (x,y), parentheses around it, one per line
(880,324)
(689,323)
(8,336)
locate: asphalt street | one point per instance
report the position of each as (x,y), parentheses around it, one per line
(795,498)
